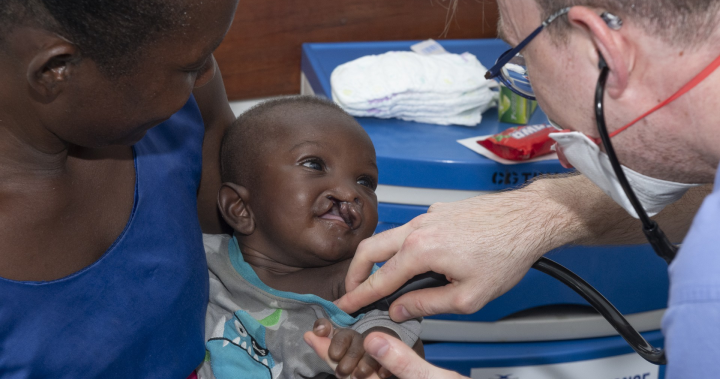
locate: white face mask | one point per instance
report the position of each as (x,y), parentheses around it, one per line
(585,155)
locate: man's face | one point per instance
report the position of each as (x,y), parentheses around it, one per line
(564,74)
(563,85)
(314,195)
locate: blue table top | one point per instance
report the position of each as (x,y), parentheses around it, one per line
(414,154)
(463,357)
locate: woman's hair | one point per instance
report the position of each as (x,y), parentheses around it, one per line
(110,32)
(679,22)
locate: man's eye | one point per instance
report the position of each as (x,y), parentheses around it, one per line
(313,164)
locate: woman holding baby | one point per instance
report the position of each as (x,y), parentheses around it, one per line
(106,111)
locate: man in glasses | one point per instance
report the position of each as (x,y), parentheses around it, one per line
(653,63)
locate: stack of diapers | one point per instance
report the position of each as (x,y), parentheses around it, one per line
(436,89)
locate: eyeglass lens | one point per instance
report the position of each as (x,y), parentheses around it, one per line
(514,75)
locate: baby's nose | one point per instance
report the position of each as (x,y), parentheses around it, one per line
(350,198)
(346,193)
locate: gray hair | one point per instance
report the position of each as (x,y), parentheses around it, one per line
(679,22)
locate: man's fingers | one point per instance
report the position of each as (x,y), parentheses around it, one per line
(375,249)
(321,346)
(401,360)
(386,280)
(431,301)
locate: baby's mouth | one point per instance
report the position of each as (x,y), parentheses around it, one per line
(342,211)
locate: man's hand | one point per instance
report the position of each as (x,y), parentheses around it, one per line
(486,244)
(483,245)
(391,353)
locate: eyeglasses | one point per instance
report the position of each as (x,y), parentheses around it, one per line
(510,68)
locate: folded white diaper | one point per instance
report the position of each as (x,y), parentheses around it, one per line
(440,89)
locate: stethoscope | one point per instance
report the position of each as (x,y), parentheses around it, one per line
(655,236)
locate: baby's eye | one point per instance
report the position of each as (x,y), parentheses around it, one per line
(367,182)
(314,164)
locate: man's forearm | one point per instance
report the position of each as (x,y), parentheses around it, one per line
(593,218)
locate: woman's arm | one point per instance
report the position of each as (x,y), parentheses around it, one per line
(217,116)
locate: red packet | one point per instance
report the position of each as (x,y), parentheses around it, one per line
(521,143)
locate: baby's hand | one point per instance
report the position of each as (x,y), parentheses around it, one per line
(346,348)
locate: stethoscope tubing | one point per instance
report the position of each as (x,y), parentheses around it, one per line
(604,307)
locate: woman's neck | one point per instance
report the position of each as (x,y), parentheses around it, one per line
(22,155)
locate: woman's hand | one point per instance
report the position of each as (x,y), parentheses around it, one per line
(483,245)
(391,353)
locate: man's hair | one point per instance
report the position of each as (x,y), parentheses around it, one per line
(110,32)
(679,22)
(245,142)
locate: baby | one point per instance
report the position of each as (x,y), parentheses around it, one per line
(299,191)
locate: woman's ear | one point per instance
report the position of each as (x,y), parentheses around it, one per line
(51,67)
(618,52)
(233,203)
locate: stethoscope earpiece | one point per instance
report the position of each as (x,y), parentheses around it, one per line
(612,21)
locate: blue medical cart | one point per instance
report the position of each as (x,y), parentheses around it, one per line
(540,322)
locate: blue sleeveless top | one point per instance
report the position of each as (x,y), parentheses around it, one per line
(139,311)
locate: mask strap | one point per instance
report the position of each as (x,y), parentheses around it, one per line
(687,87)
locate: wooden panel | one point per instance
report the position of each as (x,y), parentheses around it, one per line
(261,53)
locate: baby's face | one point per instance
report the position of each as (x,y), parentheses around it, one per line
(314,198)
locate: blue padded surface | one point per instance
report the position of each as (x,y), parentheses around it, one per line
(462,357)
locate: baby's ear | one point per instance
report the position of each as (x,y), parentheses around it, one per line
(234,207)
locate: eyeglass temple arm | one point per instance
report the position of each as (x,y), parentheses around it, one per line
(494,71)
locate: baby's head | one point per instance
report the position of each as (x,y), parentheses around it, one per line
(299,181)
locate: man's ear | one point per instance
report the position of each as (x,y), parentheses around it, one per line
(619,53)
(51,68)
(234,207)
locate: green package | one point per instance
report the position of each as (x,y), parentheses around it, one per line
(514,108)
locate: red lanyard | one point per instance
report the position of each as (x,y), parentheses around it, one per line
(687,87)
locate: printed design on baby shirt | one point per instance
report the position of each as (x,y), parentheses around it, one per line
(242,351)
(271,318)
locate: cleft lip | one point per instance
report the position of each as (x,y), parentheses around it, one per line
(349,214)
(343,211)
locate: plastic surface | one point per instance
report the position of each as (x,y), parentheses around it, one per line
(424,155)
(462,357)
